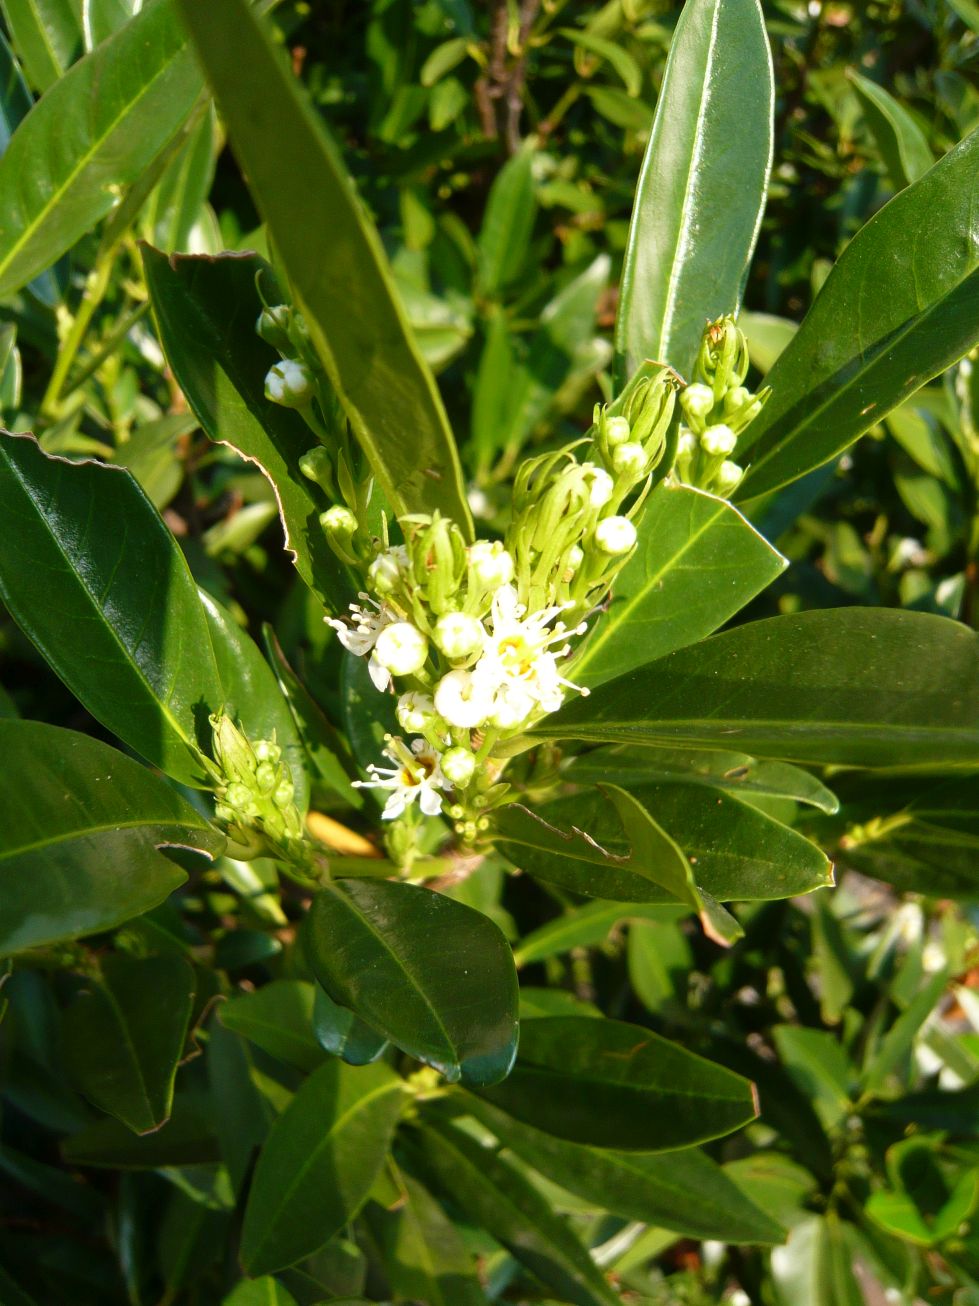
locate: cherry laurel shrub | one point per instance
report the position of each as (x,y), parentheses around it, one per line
(265,1037)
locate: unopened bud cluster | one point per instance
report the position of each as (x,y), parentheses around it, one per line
(254,791)
(716,409)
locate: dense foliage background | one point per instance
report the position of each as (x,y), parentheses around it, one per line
(497,147)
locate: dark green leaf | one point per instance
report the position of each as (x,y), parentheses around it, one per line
(122,597)
(98,129)
(856,686)
(242,1116)
(279,1019)
(702,187)
(504,237)
(46,35)
(351,308)
(820,1068)
(696,564)
(902,144)
(125,1034)
(206,310)
(79,833)
(583,927)
(685,1191)
(433,976)
(186,1139)
(898,1042)
(175,207)
(868,342)
(498,1198)
(339,1031)
(16,101)
(609,1084)
(319,1163)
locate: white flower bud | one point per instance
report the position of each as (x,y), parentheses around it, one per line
(401,648)
(601,487)
(629,459)
(289,383)
(384,573)
(512,708)
(459,635)
(686,443)
(697,400)
(491,565)
(617,431)
(338,520)
(736,399)
(728,477)
(462,700)
(576,556)
(615,535)
(718,441)
(415,712)
(458,765)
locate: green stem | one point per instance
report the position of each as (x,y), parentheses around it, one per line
(96,286)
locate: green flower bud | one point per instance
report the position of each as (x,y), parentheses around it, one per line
(416,712)
(630,460)
(267,750)
(273,326)
(233,753)
(722,362)
(317,466)
(386,572)
(438,555)
(718,441)
(728,478)
(266,775)
(290,383)
(617,431)
(401,648)
(736,399)
(615,535)
(696,401)
(458,766)
(650,411)
(339,521)
(459,636)
(285,793)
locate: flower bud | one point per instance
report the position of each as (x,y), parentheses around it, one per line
(458,765)
(697,401)
(266,775)
(233,753)
(438,553)
(617,431)
(401,648)
(615,535)
(459,635)
(316,466)
(490,564)
(415,712)
(339,521)
(736,399)
(718,441)
(576,556)
(273,327)
(722,362)
(728,478)
(267,750)
(511,708)
(385,572)
(289,383)
(630,460)
(600,485)
(462,700)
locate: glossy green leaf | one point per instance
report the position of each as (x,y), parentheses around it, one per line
(79,834)
(609,1084)
(251,694)
(186,1139)
(174,209)
(660,959)
(867,343)
(583,927)
(279,1019)
(125,1033)
(265,1291)
(242,1116)
(206,310)
(340,1032)
(497,1198)
(46,36)
(816,1266)
(856,686)
(685,1191)
(100,18)
(123,595)
(423,1255)
(433,976)
(98,129)
(820,1068)
(504,237)
(319,1163)
(736,773)
(696,564)
(702,187)
(351,308)
(16,100)
(902,144)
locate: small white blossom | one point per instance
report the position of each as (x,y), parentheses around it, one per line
(519,664)
(366,623)
(401,648)
(462,700)
(289,383)
(490,564)
(458,765)
(415,712)
(718,441)
(615,535)
(419,778)
(459,635)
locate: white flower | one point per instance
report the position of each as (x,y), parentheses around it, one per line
(718,441)
(458,765)
(601,487)
(519,667)
(367,623)
(415,712)
(615,535)
(415,775)
(401,648)
(463,700)
(385,571)
(289,383)
(459,635)
(617,431)
(490,564)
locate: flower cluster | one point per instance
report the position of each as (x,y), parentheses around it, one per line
(716,409)
(255,793)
